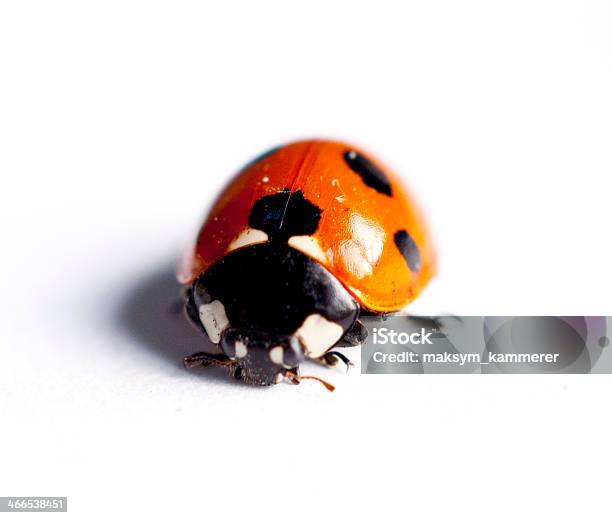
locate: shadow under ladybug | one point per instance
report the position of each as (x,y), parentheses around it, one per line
(151,313)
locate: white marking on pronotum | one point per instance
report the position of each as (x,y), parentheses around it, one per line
(276,355)
(249,236)
(241,349)
(318,334)
(213,319)
(310,246)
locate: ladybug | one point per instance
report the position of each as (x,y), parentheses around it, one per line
(307,237)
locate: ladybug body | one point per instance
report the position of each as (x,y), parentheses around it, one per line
(305,238)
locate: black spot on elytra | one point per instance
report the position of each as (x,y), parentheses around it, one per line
(371,175)
(285,214)
(409,250)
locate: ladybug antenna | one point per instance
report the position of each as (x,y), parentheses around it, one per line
(326,384)
(295,378)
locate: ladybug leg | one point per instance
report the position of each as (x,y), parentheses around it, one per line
(434,322)
(355,336)
(439,320)
(204,359)
(332,358)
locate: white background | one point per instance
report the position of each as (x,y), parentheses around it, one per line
(120,121)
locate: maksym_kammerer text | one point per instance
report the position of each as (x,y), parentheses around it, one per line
(464,358)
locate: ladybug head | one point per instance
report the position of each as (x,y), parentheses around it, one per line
(261,358)
(268,306)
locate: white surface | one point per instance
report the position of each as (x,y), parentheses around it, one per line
(119,121)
